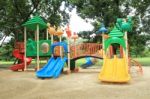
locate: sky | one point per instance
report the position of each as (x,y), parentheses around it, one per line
(7,39)
(78,24)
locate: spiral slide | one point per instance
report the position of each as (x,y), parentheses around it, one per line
(53,68)
(21,65)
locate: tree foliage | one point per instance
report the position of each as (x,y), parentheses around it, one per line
(14,13)
(107,11)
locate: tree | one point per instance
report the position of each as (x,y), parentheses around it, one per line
(14,13)
(106,11)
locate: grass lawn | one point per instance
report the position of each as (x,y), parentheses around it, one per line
(83,61)
(145,61)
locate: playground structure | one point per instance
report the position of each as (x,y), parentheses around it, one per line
(55,64)
(21,63)
(18,53)
(84,50)
(116,66)
(41,48)
(136,65)
(32,48)
(88,63)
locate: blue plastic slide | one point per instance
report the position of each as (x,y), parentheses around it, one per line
(52,68)
(58,68)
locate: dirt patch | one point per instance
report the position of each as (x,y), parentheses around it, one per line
(82,85)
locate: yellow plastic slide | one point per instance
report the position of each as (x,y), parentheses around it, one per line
(114,70)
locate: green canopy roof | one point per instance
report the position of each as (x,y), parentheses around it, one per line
(113,40)
(116,33)
(32,23)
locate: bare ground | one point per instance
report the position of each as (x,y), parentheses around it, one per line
(82,85)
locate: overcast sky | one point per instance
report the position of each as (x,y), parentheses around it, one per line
(78,24)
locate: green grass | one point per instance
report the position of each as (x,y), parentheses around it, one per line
(145,61)
(6,62)
(80,62)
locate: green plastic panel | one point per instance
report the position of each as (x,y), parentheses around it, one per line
(44,48)
(112,40)
(31,48)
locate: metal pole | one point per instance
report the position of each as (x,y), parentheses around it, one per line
(25,56)
(38,65)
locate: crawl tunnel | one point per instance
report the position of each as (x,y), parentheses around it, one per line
(63,44)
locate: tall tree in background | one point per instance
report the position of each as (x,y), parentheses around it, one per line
(13,13)
(107,11)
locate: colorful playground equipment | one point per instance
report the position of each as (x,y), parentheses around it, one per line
(35,49)
(55,64)
(84,50)
(136,66)
(44,47)
(113,50)
(21,60)
(115,67)
(88,63)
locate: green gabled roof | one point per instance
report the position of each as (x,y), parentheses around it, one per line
(116,33)
(32,23)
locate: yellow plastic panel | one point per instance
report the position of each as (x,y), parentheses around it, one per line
(114,70)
